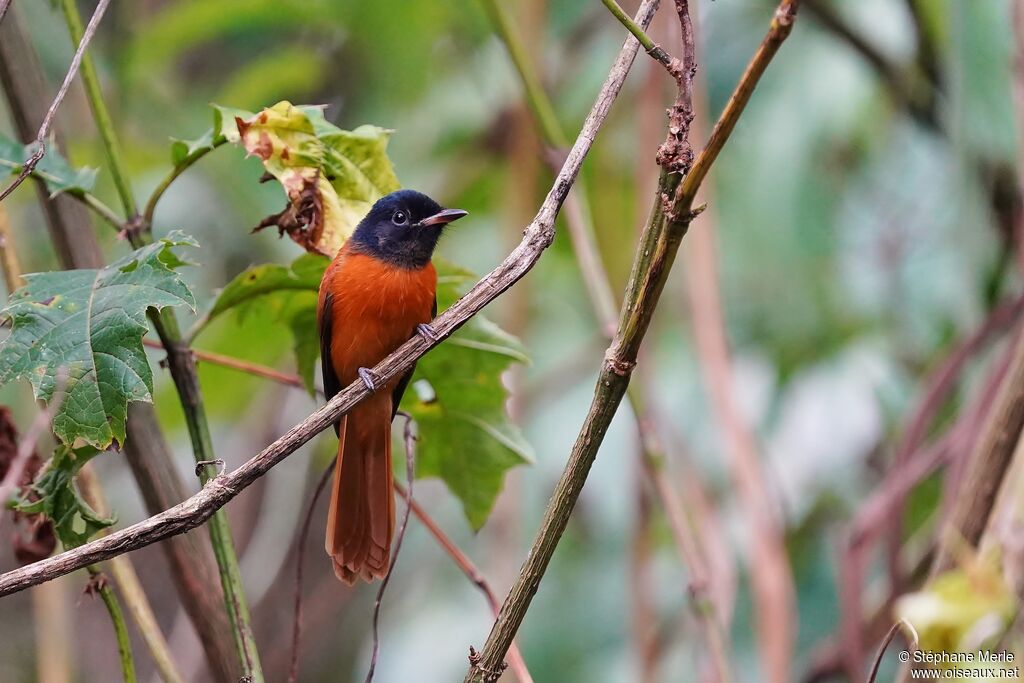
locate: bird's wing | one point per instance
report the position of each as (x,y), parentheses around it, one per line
(332,385)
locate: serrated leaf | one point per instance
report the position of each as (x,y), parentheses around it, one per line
(330,176)
(466,436)
(57,498)
(90,323)
(53,169)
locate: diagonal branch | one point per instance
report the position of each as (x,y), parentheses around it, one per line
(194,511)
(44,129)
(669,221)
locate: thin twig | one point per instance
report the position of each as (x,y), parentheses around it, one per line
(172,175)
(515,659)
(599,290)
(286,378)
(194,511)
(409,439)
(650,47)
(44,129)
(293,667)
(881,650)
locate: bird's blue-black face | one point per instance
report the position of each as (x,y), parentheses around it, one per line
(402,228)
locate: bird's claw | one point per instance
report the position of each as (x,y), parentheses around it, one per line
(427,332)
(368,378)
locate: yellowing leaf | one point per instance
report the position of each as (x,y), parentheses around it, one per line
(960,610)
(330,176)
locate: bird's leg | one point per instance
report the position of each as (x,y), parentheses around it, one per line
(427,332)
(368,378)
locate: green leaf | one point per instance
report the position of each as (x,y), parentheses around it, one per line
(53,169)
(56,497)
(90,323)
(289,293)
(457,396)
(224,130)
(466,436)
(330,176)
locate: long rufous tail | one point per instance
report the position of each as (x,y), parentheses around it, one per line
(361,520)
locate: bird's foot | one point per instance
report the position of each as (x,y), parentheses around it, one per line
(369,379)
(427,332)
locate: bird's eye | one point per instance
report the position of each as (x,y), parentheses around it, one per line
(399,218)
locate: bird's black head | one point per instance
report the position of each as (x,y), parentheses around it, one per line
(402,228)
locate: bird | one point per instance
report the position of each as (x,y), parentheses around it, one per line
(378,292)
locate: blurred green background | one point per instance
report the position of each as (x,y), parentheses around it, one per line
(856,243)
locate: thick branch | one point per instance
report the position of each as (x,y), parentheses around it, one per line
(669,220)
(218,491)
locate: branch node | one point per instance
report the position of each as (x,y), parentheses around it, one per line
(618,366)
(216,461)
(96,583)
(489,675)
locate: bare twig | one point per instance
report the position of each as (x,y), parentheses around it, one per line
(197,509)
(669,221)
(286,378)
(599,290)
(409,439)
(881,650)
(293,667)
(44,129)
(988,464)
(515,660)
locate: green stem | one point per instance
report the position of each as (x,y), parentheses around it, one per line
(535,96)
(124,644)
(183,371)
(649,46)
(181,363)
(184,165)
(101,209)
(99,111)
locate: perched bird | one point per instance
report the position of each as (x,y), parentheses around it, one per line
(378,292)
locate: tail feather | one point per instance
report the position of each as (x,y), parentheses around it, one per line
(361,520)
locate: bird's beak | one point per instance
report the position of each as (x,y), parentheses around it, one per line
(443,217)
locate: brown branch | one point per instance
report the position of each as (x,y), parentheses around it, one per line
(988,464)
(44,128)
(670,218)
(221,489)
(286,378)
